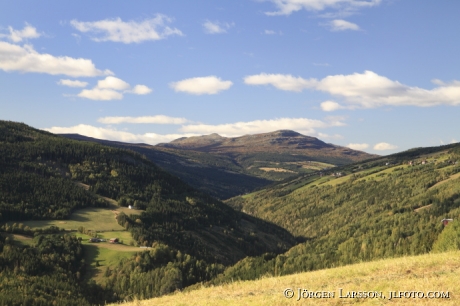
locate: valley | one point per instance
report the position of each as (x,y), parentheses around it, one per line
(57,193)
(227,167)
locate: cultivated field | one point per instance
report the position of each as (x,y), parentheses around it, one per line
(432,272)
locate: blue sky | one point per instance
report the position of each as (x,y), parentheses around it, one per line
(380,76)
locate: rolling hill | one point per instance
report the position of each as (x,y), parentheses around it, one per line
(41,178)
(386,207)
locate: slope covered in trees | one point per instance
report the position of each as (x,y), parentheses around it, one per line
(386,207)
(39,173)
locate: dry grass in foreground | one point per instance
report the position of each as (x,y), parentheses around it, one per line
(432,272)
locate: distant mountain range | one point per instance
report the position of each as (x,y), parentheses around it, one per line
(225,167)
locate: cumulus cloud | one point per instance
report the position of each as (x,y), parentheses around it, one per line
(358,146)
(301,125)
(26,59)
(369,90)
(19,35)
(364,90)
(116,135)
(383,146)
(287,7)
(141,90)
(329,106)
(201,85)
(72,83)
(159,119)
(112,88)
(100,94)
(280,81)
(342,25)
(216,27)
(111,82)
(117,30)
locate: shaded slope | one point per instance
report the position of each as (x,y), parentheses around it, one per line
(36,173)
(213,174)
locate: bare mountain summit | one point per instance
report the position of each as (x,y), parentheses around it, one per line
(282,141)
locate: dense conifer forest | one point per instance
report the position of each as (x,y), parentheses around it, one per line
(191,235)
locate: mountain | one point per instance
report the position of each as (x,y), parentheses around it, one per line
(226,167)
(282,141)
(192,235)
(385,207)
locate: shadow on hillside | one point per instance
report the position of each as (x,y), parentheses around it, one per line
(91,253)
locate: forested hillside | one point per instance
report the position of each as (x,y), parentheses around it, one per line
(41,176)
(386,207)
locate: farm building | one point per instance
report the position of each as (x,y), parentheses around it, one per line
(113,240)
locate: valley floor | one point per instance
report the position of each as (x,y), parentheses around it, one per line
(431,274)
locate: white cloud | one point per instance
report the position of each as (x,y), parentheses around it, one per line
(100,94)
(364,90)
(111,82)
(343,25)
(302,125)
(72,83)
(141,90)
(26,59)
(287,7)
(201,85)
(117,30)
(280,81)
(19,35)
(116,135)
(369,90)
(383,146)
(358,146)
(329,106)
(216,27)
(159,119)
(110,89)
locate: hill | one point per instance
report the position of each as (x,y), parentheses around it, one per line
(226,167)
(382,279)
(41,178)
(213,174)
(385,207)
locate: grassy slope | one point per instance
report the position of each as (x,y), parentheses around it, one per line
(103,221)
(93,218)
(431,272)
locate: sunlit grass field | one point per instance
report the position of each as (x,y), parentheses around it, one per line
(94,218)
(431,272)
